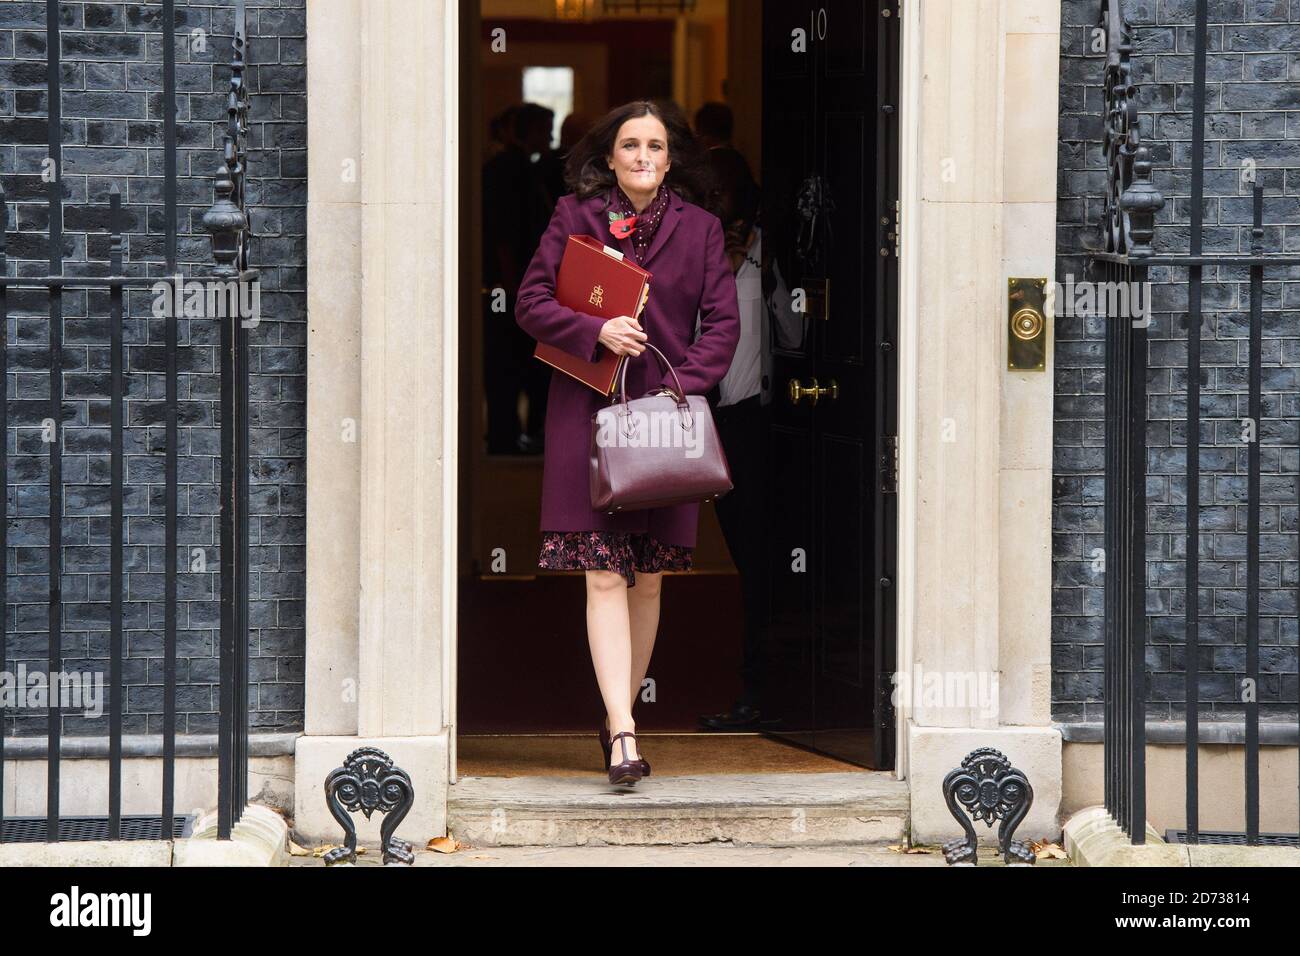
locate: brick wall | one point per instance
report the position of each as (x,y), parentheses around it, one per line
(1252,113)
(112,133)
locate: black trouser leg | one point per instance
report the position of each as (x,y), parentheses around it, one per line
(502,378)
(538,383)
(742,513)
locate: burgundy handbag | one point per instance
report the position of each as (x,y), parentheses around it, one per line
(656,451)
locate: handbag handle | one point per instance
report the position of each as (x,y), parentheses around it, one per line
(688,420)
(622,378)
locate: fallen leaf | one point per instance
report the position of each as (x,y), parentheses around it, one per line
(322,850)
(296,850)
(1050,851)
(443,845)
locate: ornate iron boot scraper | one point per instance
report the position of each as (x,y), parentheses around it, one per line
(988,788)
(369,781)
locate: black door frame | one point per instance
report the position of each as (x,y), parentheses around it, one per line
(889,78)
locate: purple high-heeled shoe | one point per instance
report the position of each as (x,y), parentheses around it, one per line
(606,747)
(628,771)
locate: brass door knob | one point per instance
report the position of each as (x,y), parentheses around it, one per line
(812,391)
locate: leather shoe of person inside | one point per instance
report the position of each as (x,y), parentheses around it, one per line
(740,717)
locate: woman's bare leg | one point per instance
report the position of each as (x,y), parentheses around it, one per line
(643,615)
(609,636)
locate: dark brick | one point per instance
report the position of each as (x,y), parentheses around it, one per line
(112,133)
(1252,71)
(102,16)
(90,46)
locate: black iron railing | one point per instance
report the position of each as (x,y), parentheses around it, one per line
(1126,262)
(228,223)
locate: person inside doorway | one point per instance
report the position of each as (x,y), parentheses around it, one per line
(742,404)
(714,124)
(516,208)
(639,167)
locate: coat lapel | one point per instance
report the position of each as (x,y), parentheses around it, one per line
(625,244)
(671,215)
(600,212)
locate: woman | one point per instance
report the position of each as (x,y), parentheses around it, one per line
(631,176)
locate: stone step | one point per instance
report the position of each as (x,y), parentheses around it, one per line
(772,809)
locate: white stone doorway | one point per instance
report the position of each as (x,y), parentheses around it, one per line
(385,362)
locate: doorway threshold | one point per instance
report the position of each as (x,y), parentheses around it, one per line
(773,809)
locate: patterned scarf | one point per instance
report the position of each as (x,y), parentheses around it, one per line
(644,224)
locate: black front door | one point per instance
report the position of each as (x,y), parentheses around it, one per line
(830,146)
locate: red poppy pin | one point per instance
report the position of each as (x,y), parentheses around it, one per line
(621,228)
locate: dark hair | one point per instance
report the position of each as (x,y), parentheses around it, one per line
(587,173)
(529,116)
(714,120)
(502,126)
(735,193)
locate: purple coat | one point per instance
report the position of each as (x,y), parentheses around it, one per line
(691,273)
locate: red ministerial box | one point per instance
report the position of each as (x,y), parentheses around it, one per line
(599,281)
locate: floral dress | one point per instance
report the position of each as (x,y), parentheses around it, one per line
(623,552)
